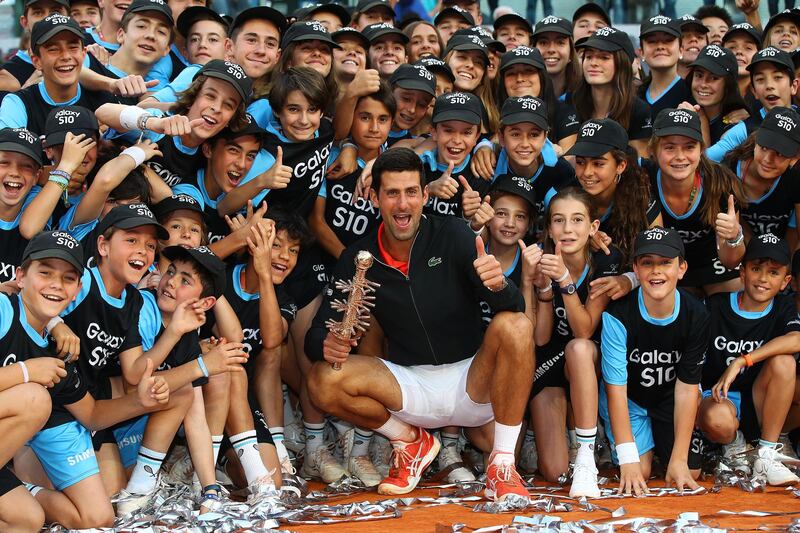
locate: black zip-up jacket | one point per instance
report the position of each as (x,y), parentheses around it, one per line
(433,316)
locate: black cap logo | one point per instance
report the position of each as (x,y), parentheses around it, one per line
(141,210)
(660,20)
(476,40)
(785,122)
(185,198)
(423,72)
(768,52)
(605,32)
(550,19)
(66,116)
(742,26)
(25,135)
(768,238)
(379,26)
(655,234)
(56,19)
(205,250)
(235,70)
(529,103)
(680,116)
(713,50)
(65,239)
(522,51)
(522,183)
(457,98)
(316,26)
(590,129)
(688,18)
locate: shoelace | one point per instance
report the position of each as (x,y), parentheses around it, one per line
(506,472)
(363,463)
(399,455)
(324,455)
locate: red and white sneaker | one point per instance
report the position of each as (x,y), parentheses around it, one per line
(502,479)
(409,461)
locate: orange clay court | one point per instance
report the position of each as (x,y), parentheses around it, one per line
(443,517)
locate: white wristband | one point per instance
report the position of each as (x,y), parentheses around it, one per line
(135,153)
(129,117)
(565,276)
(486,143)
(632,278)
(627,453)
(56,320)
(546,289)
(25,376)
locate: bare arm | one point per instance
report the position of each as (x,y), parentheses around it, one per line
(272,324)
(228,325)
(322,231)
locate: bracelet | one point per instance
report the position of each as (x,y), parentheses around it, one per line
(632,278)
(627,453)
(546,289)
(202,365)
(545,300)
(25,376)
(505,284)
(130,116)
(564,277)
(733,243)
(58,180)
(135,153)
(64,175)
(747,359)
(346,144)
(56,320)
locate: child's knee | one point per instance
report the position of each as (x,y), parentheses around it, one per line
(718,421)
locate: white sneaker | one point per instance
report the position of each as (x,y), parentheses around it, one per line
(528,458)
(768,465)
(262,485)
(181,471)
(448,458)
(128,502)
(321,464)
(584,481)
(735,453)
(361,466)
(344,444)
(294,437)
(380,451)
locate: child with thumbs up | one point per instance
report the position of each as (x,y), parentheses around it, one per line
(567,322)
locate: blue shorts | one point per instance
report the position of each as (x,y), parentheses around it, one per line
(129,439)
(641,425)
(66,454)
(735,398)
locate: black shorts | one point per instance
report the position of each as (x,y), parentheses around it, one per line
(263,436)
(8,481)
(663,425)
(103,436)
(308,278)
(550,370)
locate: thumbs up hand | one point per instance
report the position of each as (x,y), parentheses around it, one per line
(531,256)
(470,199)
(488,268)
(279,175)
(445,187)
(482,215)
(727,224)
(552,265)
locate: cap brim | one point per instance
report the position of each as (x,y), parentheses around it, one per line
(230,79)
(524,116)
(661,29)
(777,141)
(338,10)
(371,5)
(589,149)
(512,17)
(64,3)
(660,250)
(679,130)
(773,60)
(599,44)
(177,206)
(55,253)
(465,47)
(450,12)
(263,13)
(523,60)
(135,222)
(503,186)
(733,33)
(383,33)
(194,13)
(553,28)
(767,252)
(345,35)
(444,71)
(52,32)
(14,147)
(415,85)
(166,12)
(315,37)
(177,253)
(591,8)
(711,66)
(457,114)
(58,137)
(698,25)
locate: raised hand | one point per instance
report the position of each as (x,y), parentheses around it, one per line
(530,255)
(188,316)
(552,265)
(365,82)
(131,86)
(74,151)
(345,164)
(488,268)
(484,162)
(727,224)
(601,241)
(279,175)
(445,187)
(483,215)
(259,243)
(149,148)
(173,124)
(470,199)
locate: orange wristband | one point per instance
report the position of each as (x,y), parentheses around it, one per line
(747,359)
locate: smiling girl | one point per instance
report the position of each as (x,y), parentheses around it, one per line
(468,58)
(423,41)
(553,37)
(783,31)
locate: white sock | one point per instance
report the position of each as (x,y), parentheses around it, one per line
(505,438)
(314,435)
(216,444)
(281,450)
(277,433)
(145,473)
(449,439)
(33,489)
(361,442)
(395,429)
(585,438)
(288,410)
(246,446)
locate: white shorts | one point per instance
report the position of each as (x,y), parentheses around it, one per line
(436,395)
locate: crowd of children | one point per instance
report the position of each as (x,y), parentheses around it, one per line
(182,189)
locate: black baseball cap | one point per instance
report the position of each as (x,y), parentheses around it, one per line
(348,32)
(437,66)
(780,131)
(230,72)
(516,185)
(787,14)
(52,25)
(609,39)
(677,122)
(193,14)
(71,118)
(337,10)
(415,78)
(773,55)
(553,24)
(379,30)
(205,258)
(522,55)
(159,6)
(768,246)
(597,137)
(659,23)
(454,11)
(524,109)
(307,30)
(659,241)
(55,244)
(502,20)
(260,13)
(251,127)
(744,28)
(591,7)
(366,5)
(465,107)
(131,216)
(465,43)
(487,38)
(717,60)
(176,202)
(21,141)
(687,22)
